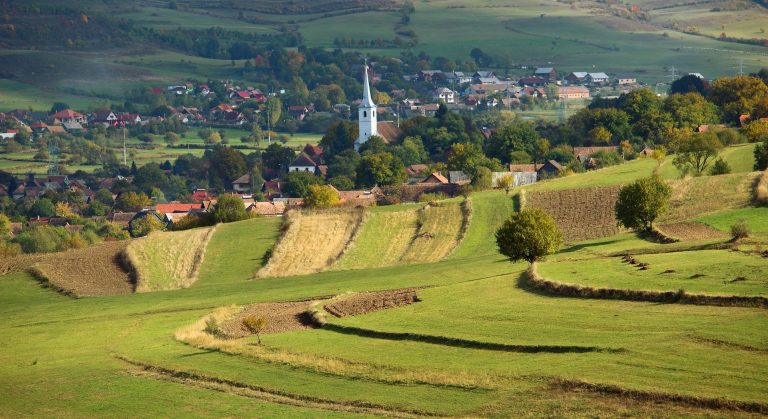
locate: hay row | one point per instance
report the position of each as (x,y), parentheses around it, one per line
(761,189)
(693,197)
(659,397)
(532,279)
(581,214)
(167,260)
(312,241)
(466,220)
(439,229)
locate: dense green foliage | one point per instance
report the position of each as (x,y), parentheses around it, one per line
(642,202)
(529,235)
(229,208)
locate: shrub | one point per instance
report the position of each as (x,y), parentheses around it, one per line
(430,197)
(721,167)
(203,219)
(40,239)
(142,226)
(255,325)
(9,249)
(112,230)
(229,208)
(740,231)
(529,235)
(212,327)
(321,196)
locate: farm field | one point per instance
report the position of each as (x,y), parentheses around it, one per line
(475,342)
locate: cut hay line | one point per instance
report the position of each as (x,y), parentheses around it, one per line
(194,335)
(581,214)
(761,189)
(463,343)
(466,220)
(312,242)
(726,344)
(383,240)
(267,394)
(167,260)
(531,279)
(92,271)
(356,304)
(659,397)
(438,233)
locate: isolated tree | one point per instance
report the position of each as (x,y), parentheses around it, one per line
(761,156)
(255,325)
(321,196)
(696,152)
(641,202)
(229,208)
(687,84)
(171,138)
(529,235)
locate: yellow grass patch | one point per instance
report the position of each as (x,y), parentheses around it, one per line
(383,240)
(761,190)
(313,241)
(693,197)
(440,228)
(168,260)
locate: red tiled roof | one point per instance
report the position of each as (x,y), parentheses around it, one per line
(67,114)
(435,178)
(177,207)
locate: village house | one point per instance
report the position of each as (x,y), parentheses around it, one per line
(242,184)
(576,77)
(626,80)
(547,73)
(597,78)
(303,163)
(67,115)
(572,92)
(445,94)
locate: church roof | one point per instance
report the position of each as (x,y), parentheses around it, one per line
(389,131)
(367,100)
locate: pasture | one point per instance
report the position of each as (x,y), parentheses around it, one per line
(475,340)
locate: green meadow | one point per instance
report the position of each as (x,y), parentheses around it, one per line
(477,343)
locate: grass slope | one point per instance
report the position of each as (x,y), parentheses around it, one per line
(59,354)
(383,239)
(438,232)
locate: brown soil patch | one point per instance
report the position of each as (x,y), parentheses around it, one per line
(368,302)
(581,214)
(20,263)
(92,271)
(281,317)
(691,231)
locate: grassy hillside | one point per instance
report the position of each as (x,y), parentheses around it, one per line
(439,232)
(383,239)
(476,343)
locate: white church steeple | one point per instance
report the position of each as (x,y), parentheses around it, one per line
(366,114)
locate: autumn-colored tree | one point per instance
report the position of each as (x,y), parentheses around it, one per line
(321,196)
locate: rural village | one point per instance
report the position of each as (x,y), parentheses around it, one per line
(387,208)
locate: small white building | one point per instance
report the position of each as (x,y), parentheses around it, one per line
(445,94)
(304,163)
(597,78)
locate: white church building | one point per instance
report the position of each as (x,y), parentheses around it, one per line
(366,114)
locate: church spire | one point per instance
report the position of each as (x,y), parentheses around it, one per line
(367,101)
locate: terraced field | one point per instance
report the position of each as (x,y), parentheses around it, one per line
(439,232)
(312,242)
(383,240)
(168,260)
